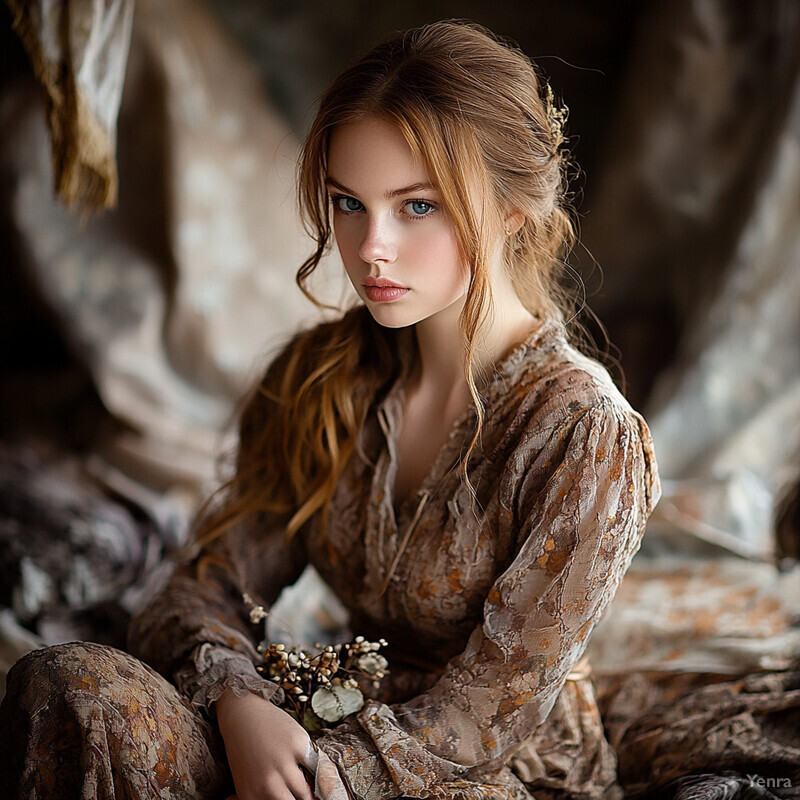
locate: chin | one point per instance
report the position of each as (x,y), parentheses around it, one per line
(392,317)
(393,323)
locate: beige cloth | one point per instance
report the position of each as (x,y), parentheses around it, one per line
(130,337)
(79,50)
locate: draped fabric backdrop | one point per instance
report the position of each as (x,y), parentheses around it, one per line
(129,333)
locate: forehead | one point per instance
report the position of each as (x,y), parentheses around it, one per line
(372,155)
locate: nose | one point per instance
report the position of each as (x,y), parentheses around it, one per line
(378,244)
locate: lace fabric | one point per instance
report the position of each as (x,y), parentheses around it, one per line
(499,595)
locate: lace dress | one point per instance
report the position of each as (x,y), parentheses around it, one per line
(487,604)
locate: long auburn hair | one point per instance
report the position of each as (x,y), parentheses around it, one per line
(471,107)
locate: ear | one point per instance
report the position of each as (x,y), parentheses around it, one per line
(513,221)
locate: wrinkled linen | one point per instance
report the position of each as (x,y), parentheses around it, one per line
(693,734)
(487,607)
(79,51)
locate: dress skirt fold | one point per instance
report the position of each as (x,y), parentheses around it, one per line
(87,721)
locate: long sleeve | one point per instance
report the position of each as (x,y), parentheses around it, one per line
(580,511)
(197,632)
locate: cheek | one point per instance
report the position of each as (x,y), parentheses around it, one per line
(440,251)
(346,242)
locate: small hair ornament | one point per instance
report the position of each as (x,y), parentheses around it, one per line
(556,117)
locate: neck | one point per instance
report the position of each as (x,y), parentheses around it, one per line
(441,365)
(441,357)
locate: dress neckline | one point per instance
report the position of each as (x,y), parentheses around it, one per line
(390,416)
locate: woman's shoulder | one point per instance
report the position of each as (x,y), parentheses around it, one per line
(312,335)
(337,359)
(548,376)
(555,402)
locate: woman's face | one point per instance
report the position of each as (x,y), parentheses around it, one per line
(398,246)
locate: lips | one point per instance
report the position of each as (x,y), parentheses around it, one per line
(383,290)
(382,283)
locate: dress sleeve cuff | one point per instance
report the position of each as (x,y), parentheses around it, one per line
(379,761)
(358,761)
(214,670)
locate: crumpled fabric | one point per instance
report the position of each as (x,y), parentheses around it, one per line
(723,616)
(694,218)
(79,51)
(72,559)
(664,726)
(328,783)
(156,311)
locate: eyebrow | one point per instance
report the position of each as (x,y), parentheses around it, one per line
(414,187)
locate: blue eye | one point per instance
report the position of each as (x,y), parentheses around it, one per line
(348,205)
(420,208)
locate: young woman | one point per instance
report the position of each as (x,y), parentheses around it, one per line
(469,485)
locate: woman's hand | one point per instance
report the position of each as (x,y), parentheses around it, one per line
(265,749)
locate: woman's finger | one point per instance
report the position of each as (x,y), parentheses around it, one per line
(299,785)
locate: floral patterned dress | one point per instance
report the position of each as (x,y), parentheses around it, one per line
(487,604)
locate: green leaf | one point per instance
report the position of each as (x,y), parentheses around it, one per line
(311,722)
(335,703)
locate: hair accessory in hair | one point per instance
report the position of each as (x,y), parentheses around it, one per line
(556,117)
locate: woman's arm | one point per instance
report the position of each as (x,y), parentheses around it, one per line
(198,632)
(579,528)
